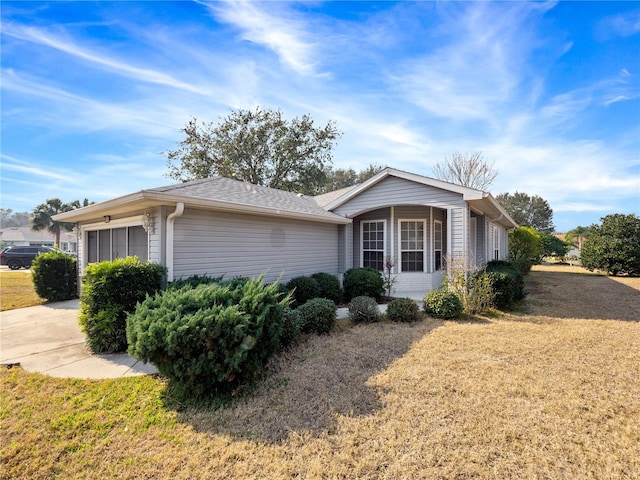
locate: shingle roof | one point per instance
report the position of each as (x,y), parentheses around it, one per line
(243,193)
(326,198)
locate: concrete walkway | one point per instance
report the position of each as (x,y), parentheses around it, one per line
(47,339)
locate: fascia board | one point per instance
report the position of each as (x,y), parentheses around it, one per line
(147,199)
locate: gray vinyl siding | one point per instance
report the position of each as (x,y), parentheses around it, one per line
(216,243)
(458,227)
(398,191)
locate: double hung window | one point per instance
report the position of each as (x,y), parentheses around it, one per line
(412,235)
(372,234)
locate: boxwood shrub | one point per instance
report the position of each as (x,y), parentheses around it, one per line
(303,289)
(364,310)
(55,276)
(291,327)
(363,282)
(329,286)
(209,338)
(110,292)
(403,310)
(318,315)
(442,303)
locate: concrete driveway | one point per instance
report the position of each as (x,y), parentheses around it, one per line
(47,339)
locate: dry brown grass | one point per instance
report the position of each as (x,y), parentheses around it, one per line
(16,291)
(526,395)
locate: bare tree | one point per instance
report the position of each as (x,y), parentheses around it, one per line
(467,169)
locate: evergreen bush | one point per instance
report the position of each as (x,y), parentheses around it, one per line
(329,286)
(507,284)
(442,303)
(55,276)
(209,338)
(291,327)
(403,310)
(364,310)
(363,282)
(303,289)
(110,292)
(318,315)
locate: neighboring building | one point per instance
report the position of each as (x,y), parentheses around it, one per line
(220,226)
(24,237)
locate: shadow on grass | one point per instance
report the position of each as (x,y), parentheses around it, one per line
(306,387)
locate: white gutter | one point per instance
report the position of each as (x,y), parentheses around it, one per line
(171,218)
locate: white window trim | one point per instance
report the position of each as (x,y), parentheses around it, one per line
(424,242)
(434,245)
(112,224)
(384,238)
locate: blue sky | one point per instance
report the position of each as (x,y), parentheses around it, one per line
(93,93)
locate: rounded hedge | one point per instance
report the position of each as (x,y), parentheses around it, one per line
(303,289)
(363,282)
(318,315)
(364,310)
(55,276)
(403,310)
(291,327)
(329,286)
(442,303)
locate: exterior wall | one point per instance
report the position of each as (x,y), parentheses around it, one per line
(398,191)
(480,254)
(217,243)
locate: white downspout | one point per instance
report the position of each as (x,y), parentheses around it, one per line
(170,222)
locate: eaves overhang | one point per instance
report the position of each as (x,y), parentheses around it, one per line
(146,199)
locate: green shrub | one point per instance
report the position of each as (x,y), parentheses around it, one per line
(55,276)
(442,303)
(303,289)
(363,282)
(507,284)
(522,265)
(329,286)
(318,315)
(364,310)
(403,310)
(193,282)
(291,327)
(209,338)
(110,291)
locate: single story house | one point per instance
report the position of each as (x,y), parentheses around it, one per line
(221,226)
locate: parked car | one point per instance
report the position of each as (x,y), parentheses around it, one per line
(16,257)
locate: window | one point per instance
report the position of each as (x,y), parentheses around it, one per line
(496,244)
(412,245)
(437,244)
(112,243)
(372,234)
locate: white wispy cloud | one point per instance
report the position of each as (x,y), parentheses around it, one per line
(274,27)
(49,39)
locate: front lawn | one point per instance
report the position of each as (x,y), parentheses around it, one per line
(552,391)
(17,291)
